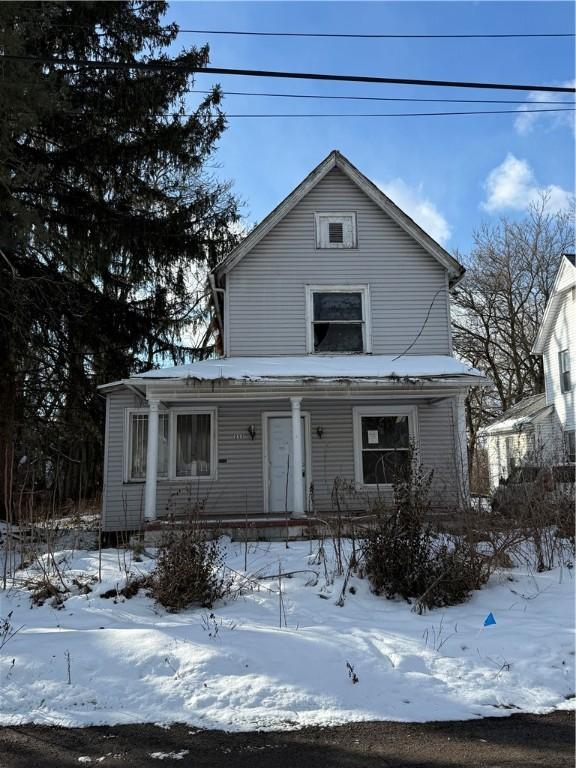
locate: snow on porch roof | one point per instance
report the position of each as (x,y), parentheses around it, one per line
(318,367)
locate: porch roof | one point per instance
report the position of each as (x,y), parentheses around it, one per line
(318,368)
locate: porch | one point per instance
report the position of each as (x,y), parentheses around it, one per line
(224,451)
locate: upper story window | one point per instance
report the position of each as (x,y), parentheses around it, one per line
(564,365)
(336,230)
(338,319)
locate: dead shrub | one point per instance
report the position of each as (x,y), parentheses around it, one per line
(189,571)
(403,556)
(534,510)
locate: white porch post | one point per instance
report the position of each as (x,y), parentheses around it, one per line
(461,440)
(297,490)
(151,461)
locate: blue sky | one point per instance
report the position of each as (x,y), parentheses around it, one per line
(449,173)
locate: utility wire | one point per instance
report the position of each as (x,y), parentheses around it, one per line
(380,98)
(332,97)
(344,114)
(397,114)
(361,36)
(180,67)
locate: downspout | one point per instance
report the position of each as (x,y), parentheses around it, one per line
(215,292)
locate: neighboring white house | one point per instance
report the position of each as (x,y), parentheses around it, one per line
(541,428)
(334,319)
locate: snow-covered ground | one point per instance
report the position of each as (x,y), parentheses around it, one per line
(97,661)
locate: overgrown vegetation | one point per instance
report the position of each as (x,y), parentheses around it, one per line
(402,556)
(189,570)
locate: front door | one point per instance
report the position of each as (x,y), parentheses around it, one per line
(280,463)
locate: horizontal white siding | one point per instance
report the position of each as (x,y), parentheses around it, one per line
(562,337)
(266,290)
(239,487)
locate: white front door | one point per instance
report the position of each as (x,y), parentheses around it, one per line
(280,463)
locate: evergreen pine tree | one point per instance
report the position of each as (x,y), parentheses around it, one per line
(107,219)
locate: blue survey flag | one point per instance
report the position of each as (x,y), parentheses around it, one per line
(489,620)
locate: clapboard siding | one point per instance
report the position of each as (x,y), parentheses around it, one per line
(563,336)
(266,289)
(239,487)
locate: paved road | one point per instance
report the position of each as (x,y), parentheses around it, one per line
(519,741)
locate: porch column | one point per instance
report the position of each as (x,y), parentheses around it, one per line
(297,490)
(461,442)
(151,461)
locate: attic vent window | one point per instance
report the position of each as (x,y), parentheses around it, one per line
(336,230)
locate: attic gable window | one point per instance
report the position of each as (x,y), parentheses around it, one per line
(338,319)
(335,230)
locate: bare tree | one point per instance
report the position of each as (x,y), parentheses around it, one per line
(498,307)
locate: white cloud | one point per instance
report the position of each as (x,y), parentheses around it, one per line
(413,202)
(526,121)
(513,186)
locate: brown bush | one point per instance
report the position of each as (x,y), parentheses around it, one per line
(189,571)
(403,557)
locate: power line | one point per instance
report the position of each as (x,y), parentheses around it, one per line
(396,114)
(343,114)
(265,94)
(163,66)
(361,36)
(380,98)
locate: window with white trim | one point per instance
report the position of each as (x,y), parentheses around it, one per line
(193,445)
(335,230)
(138,444)
(383,438)
(186,444)
(564,365)
(338,319)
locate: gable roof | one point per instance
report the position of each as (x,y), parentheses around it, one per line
(337,160)
(519,416)
(564,281)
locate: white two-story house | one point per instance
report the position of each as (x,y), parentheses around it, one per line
(540,429)
(334,320)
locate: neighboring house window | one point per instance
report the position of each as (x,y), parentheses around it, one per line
(511,461)
(186,444)
(570,446)
(138,443)
(338,319)
(383,437)
(564,360)
(335,230)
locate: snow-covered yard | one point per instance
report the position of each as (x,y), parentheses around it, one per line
(101,661)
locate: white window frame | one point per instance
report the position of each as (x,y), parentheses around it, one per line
(323,218)
(172,413)
(564,354)
(364,290)
(380,410)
